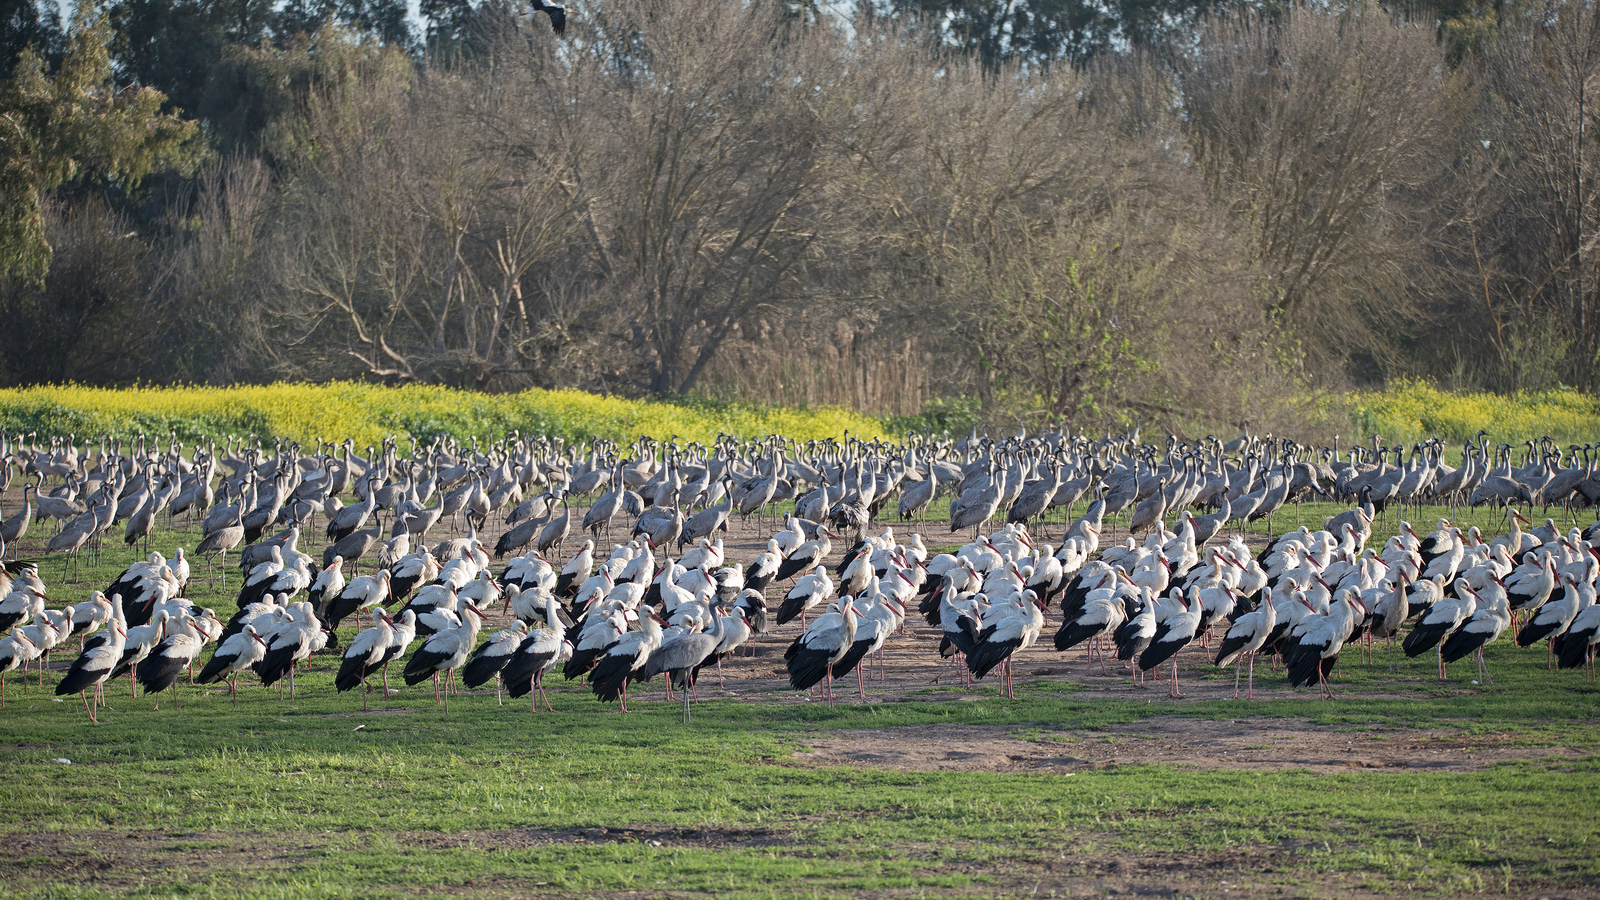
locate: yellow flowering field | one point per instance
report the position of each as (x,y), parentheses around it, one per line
(366,413)
(1405,412)
(1410,410)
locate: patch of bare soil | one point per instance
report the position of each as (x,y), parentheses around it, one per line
(527,838)
(1258,744)
(115,859)
(1249,872)
(118,859)
(124,861)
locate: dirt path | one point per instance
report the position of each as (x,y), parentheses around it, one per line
(127,862)
(1255,744)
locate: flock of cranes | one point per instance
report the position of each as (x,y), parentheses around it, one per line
(667,598)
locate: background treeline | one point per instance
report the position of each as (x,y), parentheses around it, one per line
(1045,209)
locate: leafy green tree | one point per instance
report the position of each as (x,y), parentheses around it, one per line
(383,20)
(172,45)
(1046,32)
(75,128)
(28,23)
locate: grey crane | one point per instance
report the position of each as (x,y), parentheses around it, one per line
(706,522)
(661,525)
(12,529)
(223,539)
(678,658)
(353,546)
(351,518)
(600,514)
(915,497)
(557,530)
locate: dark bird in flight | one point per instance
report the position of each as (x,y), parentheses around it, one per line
(557,13)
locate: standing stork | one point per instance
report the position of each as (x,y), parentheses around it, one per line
(537,654)
(625,658)
(808,593)
(1176,632)
(999,640)
(1488,622)
(363,592)
(366,653)
(239,652)
(288,645)
(1245,637)
(405,631)
(93,666)
(174,654)
(16,651)
(811,656)
(445,650)
(490,659)
(136,647)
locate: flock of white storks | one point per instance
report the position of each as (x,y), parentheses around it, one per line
(1184,577)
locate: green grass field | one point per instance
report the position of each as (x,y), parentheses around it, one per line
(314,798)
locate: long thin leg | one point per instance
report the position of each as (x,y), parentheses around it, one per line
(86,708)
(1252,692)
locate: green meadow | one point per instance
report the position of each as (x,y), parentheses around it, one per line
(313,798)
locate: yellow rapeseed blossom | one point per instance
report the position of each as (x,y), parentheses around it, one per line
(1410,410)
(366,413)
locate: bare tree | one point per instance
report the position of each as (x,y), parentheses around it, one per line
(1320,128)
(1541,125)
(714,152)
(418,233)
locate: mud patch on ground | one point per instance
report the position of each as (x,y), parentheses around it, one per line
(130,862)
(655,836)
(1257,744)
(116,859)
